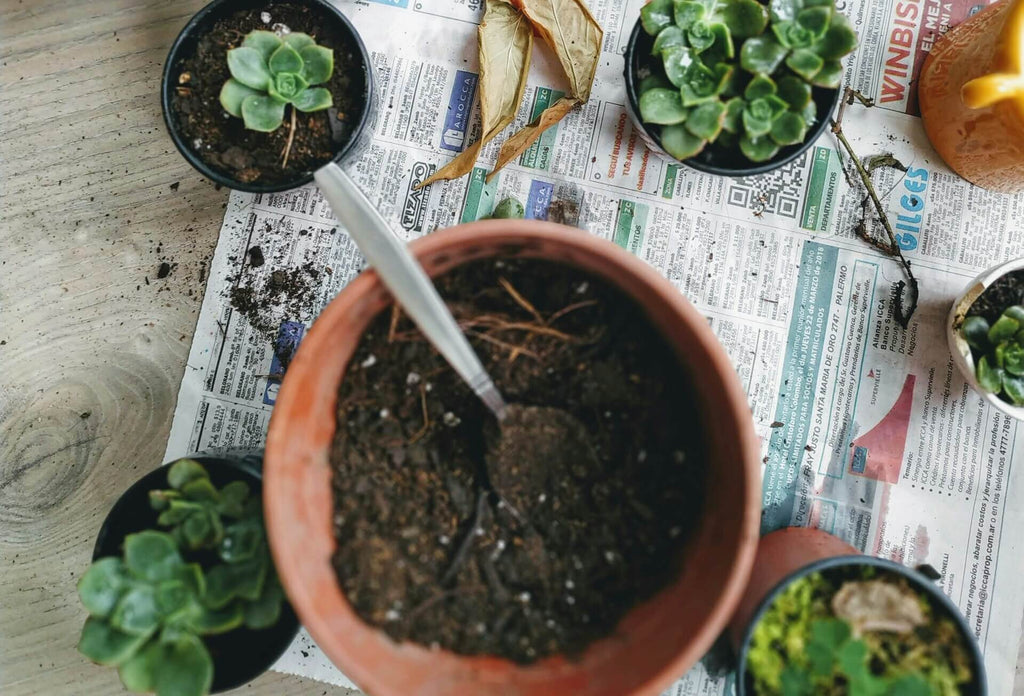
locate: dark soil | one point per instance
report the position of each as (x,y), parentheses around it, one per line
(224,143)
(1005,292)
(534,537)
(267,301)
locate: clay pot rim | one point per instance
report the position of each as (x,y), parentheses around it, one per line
(280,514)
(958,347)
(920,583)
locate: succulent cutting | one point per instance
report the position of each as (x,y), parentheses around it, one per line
(739,73)
(149,609)
(998,351)
(269,72)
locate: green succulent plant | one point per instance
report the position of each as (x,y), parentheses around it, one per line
(734,71)
(799,647)
(809,36)
(149,608)
(998,352)
(269,72)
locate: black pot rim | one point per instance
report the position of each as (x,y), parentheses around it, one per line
(167,86)
(920,583)
(247,464)
(785,156)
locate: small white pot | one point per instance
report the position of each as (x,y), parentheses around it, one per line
(958,346)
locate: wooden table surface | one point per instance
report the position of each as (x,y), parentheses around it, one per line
(92,343)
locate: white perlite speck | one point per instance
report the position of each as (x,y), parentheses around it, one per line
(370,361)
(384,413)
(265,17)
(412,378)
(450,419)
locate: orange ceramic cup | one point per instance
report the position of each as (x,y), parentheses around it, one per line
(971,94)
(657,641)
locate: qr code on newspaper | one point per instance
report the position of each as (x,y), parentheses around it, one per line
(778,192)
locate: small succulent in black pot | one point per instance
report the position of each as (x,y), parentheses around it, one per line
(201,570)
(736,86)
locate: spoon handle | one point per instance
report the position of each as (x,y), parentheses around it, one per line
(406,280)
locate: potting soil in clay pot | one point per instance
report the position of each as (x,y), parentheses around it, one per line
(536,536)
(249,156)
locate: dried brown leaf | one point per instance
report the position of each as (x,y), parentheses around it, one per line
(505,39)
(575,36)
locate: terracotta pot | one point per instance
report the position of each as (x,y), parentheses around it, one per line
(958,346)
(971,95)
(657,641)
(789,554)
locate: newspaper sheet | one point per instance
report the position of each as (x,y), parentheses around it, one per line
(868,431)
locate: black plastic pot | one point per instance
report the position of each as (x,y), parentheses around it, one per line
(938,600)
(714,159)
(241,655)
(185,45)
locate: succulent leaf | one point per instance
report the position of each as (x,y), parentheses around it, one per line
(200,490)
(298,40)
(990,378)
(840,38)
(681,143)
(745,18)
(687,12)
(248,67)
(1004,329)
(208,622)
(722,49)
(285,60)
(106,645)
(229,580)
(791,35)
(137,612)
(706,120)
(653,81)
(975,332)
(266,42)
(152,555)
(758,149)
(805,63)
(794,92)
(266,609)
(815,20)
(138,673)
(810,113)
(830,75)
(242,540)
(656,15)
(760,86)
(733,121)
(317,64)
(287,86)
(700,36)
(762,54)
(232,499)
(102,586)
(185,470)
(313,99)
(678,61)
(667,37)
(507,209)
(1013,387)
(662,106)
(789,129)
(263,113)
(757,118)
(784,10)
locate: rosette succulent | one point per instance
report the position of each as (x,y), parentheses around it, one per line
(149,608)
(269,72)
(739,72)
(998,351)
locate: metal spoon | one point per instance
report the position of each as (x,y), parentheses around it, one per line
(406,280)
